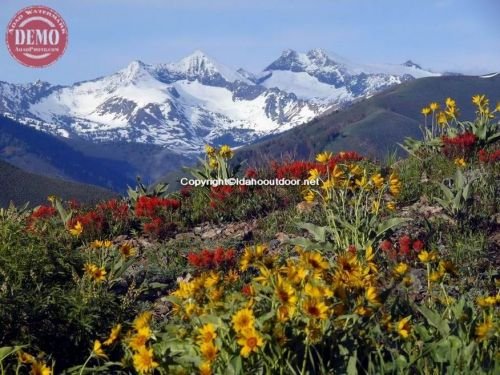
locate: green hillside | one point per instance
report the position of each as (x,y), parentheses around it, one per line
(20,187)
(374,126)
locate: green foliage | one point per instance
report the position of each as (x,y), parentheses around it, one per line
(141,190)
(457,194)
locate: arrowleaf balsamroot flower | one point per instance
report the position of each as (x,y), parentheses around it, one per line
(98,351)
(401,269)
(243,319)
(324,157)
(144,361)
(425,111)
(484,329)
(114,335)
(250,341)
(226,152)
(127,250)
(434,106)
(40,368)
(403,327)
(315,308)
(209,351)
(77,229)
(426,256)
(206,333)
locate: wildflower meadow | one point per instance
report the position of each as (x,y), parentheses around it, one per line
(383,267)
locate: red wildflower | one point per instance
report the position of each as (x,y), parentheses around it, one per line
(186,191)
(418,245)
(459,145)
(43,212)
(212,259)
(485,157)
(247,290)
(386,245)
(404,245)
(251,173)
(154,227)
(152,206)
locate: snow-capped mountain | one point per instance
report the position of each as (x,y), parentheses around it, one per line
(197,100)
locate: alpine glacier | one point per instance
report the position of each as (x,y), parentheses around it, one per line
(197,100)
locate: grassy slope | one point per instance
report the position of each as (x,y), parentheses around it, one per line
(374,126)
(111,165)
(21,187)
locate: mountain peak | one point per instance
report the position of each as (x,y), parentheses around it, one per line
(411,64)
(199,65)
(134,70)
(317,53)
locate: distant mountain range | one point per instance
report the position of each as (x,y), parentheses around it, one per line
(374,126)
(181,106)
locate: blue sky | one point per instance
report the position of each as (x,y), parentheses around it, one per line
(105,35)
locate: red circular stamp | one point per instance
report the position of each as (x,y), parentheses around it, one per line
(37,36)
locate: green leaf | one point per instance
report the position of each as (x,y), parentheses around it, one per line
(351,365)
(318,232)
(435,320)
(236,365)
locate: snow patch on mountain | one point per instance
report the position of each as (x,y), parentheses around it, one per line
(197,100)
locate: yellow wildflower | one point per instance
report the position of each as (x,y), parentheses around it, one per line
(127,250)
(324,157)
(434,106)
(97,350)
(394,184)
(226,152)
(315,308)
(435,276)
(314,260)
(309,196)
(142,320)
(484,329)
(24,357)
(113,336)
(205,368)
(425,111)
(450,102)
(139,339)
(210,151)
(460,162)
(401,269)
(40,368)
(206,333)
(426,256)
(486,301)
(314,174)
(478,99)
(77,229)
(211,280)
(286,294)
(391,206)
(243,319)
(250,341)
(372,296)
(251,255)
(378,180)
(403,327)
(96,244)
(209,351)
(442,119)
(144,361)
